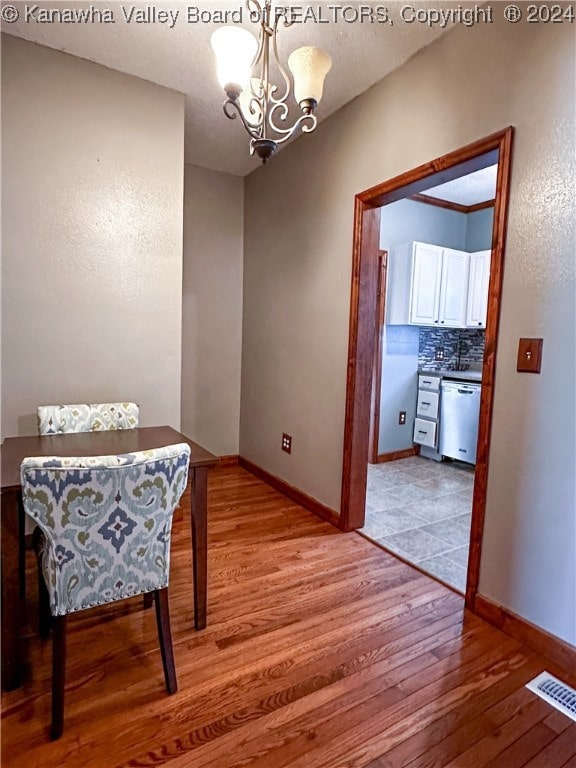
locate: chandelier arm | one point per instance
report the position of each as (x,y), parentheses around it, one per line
(253,93)
(232,110)
(255,104)
(256,101)
(281,69)
(265,70)
(312,119)
(306,123)
(287,16)
(253,112)
(278,111)
(255,9)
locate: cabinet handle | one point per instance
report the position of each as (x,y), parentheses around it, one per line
(422,432)
(479,323)
(423,403)
(442,321)
(435,321)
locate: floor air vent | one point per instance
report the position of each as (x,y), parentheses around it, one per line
(555,692)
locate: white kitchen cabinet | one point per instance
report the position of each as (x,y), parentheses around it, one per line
(431,382)
(427,285)
(453,288)
(427,404)
(398,282)
(425,433)
(427,410)
(426,280)
(478,289)
(439,288)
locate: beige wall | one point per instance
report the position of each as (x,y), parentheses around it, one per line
(298,235)
(212,308)
(92,186)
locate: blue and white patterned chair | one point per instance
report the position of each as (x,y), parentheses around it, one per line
(80,417)
(87,417)
(105,526)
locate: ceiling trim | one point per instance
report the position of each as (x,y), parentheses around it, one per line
(439,203)
(481,206)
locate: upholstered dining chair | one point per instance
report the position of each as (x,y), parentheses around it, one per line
(105,526)
(80,417)
(87,417)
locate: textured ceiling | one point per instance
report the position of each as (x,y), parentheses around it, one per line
(178,55)
(474,188)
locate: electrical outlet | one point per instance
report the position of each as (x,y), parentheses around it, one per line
(286,442)
(439,353)
(402,418)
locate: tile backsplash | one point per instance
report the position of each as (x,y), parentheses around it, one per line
(462,348)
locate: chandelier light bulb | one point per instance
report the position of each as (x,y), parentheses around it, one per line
(235,49)
(309,66)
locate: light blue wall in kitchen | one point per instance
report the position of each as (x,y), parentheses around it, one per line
(398,388)
(479,230)
(408,220)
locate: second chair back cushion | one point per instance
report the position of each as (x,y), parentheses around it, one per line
(106,521)
(87,417)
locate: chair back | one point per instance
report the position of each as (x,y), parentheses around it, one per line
(87,417)
(106,522)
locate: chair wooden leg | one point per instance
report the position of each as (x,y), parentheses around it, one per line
(148,599)
(21,547)
(58,675)
(165,638)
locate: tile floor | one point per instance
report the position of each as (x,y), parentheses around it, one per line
(421,510)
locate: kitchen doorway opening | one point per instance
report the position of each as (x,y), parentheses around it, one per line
(370,271)
(434,270)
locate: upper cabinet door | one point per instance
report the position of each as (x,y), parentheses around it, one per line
(478,289)
(425,293)
(454,288)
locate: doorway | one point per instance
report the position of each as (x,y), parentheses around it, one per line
(431,321)
(495,149)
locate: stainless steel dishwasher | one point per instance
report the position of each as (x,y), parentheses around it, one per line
(459,414)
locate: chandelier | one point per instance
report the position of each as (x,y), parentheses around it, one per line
(244,68)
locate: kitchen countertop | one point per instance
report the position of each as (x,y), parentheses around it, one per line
(458,375)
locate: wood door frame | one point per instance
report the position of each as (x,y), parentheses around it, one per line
(363,306)
(377,370)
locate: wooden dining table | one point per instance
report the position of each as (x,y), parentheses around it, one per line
(14,449)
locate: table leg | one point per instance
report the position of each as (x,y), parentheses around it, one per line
(10,559)
(199,525)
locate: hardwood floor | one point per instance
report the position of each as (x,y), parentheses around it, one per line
(321,651)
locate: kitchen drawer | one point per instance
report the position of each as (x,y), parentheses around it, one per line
(429,382)
(427,404)
(425,432)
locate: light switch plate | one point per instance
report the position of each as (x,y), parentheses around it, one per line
(529,355)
